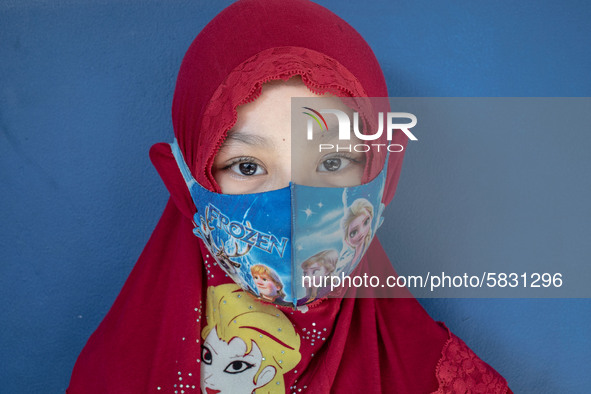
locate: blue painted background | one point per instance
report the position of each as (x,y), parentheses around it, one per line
(86,89)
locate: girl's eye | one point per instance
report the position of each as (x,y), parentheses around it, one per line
(247,169)
(352,233)
(333,164)
(245,166)
(238,367)
(366,222)
(206,355)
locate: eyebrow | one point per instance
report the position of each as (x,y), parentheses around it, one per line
(210,347)
(330,134)
(238,356)
(244,137)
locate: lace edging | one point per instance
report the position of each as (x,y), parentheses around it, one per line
(460,370)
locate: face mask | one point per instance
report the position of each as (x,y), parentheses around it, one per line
(284,245)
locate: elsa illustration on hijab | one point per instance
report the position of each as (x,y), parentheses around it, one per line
(247,345)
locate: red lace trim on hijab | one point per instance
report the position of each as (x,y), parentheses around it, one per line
(461,371)
(321,74)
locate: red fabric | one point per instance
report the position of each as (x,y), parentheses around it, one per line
(150,339)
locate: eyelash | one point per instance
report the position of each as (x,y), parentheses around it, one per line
(348,156)
(339,155)
(241,160)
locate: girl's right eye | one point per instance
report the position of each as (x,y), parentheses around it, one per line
(246,167)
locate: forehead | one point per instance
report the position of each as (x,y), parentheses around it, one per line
(362,216)
(262,273)
(273,108)
(217,344)
(236,347)
(314,266)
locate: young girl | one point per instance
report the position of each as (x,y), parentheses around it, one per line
(151,341)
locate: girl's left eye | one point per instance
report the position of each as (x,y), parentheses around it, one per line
(238,367)
(333,164)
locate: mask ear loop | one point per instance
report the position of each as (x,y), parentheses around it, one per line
(180,161)
(185,172)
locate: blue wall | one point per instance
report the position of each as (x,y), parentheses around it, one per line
(86,89)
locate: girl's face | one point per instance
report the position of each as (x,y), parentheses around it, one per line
(358,230)
(256,155)
(265,285)
(225,368)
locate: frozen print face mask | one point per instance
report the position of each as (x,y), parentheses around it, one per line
(284,245)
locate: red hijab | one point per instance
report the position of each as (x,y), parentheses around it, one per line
(150,341)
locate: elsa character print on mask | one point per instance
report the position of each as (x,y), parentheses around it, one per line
(247,346)
(345,220)
(357,234)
